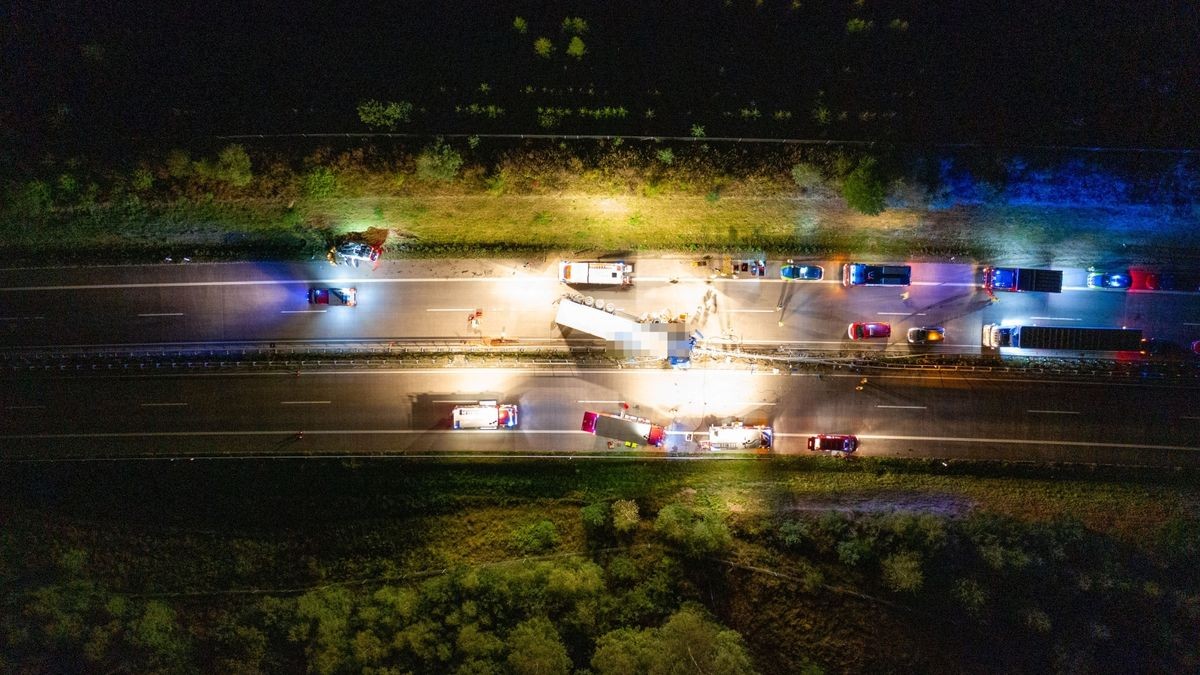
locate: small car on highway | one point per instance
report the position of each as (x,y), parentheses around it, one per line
(1196,347)
(926,335)
(333,296)
(793,272)
(833,443)
(1108,280)
(871,329)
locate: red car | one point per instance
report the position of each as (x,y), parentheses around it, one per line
(333,296)
(833,443)
(863,331)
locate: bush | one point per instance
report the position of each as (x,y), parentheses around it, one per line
(972,596)
(543,47)
(520,25)
(31,199)
(438,162)
(697,532)
(595,518)
(536,537)
(666,156)
(576,48)
(807,177)
(320,183)
(233,166)
(379,115)
(179,164)
(625,517)
(141,180)
(902,572)
(864,189)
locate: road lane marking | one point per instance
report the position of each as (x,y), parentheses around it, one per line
(900,313)
(416,432)
(595,401)
(162,405)
(1185,417)
(42,407)
(1192,324)
(452,309)
(163,314)
(474,400)
(303,402)
(303,311)
(21,318)
(1053,318)
(1052,412)
(335,283)
(903,407)
(752,311)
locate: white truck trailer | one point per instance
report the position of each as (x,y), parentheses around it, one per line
(595,273)
(625,334)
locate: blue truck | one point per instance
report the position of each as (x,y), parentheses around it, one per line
(1062,337)
(1018,279)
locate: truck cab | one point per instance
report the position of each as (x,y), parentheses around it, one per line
(870,274)
(595,273)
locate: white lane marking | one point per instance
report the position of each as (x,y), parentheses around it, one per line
(595,401)
(410,432)
(163,314)
(452,309)
(1185,417)
(474,400)
(162,405)
(751,311)
(1192,324)
(20,318)
(336,283)
(1052,412)
(303,311)
(900,314)
(694,372)
(1054,318)
(303,402)
(42,407)
(903,407)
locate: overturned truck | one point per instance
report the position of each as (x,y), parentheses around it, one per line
(627,335)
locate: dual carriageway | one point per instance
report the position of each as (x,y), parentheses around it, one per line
(344,410)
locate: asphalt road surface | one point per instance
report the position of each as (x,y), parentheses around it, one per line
(432,299)
(408,411)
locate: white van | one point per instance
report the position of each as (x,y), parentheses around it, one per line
(486,415)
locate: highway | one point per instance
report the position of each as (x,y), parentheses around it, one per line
(408,411)
(431,299)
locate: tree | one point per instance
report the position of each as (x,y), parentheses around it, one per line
(438,162)
(689,642)
(520,25)
(574,25)
(576,48)
(377,114)
(864,189)
(543,47)
(625,515)
(535,648)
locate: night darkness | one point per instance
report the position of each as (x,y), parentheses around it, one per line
(1086,73)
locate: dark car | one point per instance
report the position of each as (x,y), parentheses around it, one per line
(1155,281)
(793,272)
(867,274)
(833,443)
(333,296)
(1196,347)
(1108,280)
(870,329)
(926,335)
(1164,350)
